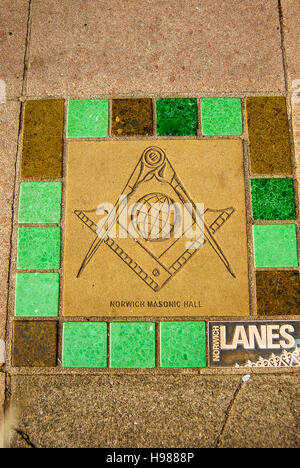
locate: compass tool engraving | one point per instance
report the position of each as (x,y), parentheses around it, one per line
(155,180)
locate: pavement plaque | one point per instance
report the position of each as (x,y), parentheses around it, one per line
(254,344)
(153,256)
(159,217)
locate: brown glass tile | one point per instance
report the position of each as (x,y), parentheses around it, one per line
(132,117)
(268,133)
(34,343)
(43,139)
(278,292)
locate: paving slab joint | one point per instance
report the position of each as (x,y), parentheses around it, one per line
(244,381)
(284,61)
(27,48)
(25,437)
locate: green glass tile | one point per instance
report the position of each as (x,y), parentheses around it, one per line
(39,248)
(132,345)
(37,295)
(183,344)
(176,116)
(85,344)
(42,148)
(275,245)
(34,343)
(268,131)
(273,199)
(221,116)
(87,118)
(40,202)
(131,117)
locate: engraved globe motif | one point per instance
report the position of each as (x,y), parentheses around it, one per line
(155,217)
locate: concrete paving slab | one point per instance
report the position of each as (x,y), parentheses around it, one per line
(121,410)
(182,46)
(265,414)
(9,122)
(13,33)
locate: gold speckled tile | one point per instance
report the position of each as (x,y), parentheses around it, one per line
(268,132)
(132,117)
(43,139)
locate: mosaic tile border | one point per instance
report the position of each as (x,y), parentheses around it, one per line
(43,127)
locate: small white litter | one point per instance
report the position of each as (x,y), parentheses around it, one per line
(2,352)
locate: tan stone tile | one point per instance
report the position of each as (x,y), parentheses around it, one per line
(147,47)
(156,274)
(291,15)
(9,122)
(13,32)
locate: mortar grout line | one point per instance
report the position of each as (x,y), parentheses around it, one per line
(199,127)
(108,354)
(179,94)
(159,319)
(157,344)
(110,103)
(159,371)
(154,119)
(250,247)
